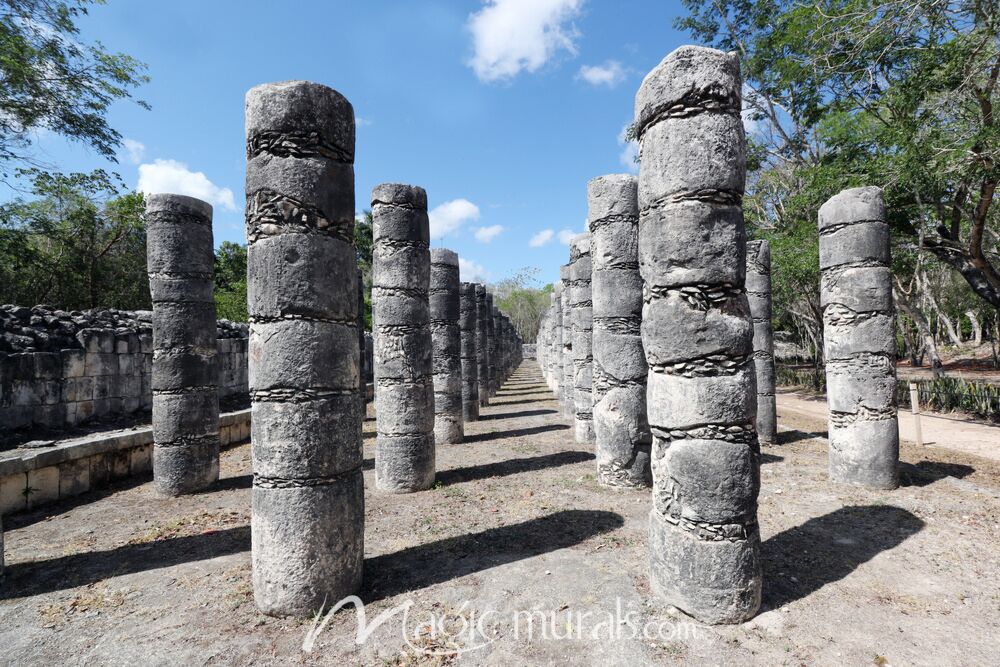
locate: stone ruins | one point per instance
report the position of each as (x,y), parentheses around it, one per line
(697,335)
(468,317)
(619,366)
(446,338)
(180,261)
(759,296)
(859,331)
(404,384)
(307,522)
(482,346)
(583,320)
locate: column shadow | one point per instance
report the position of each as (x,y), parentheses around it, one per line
(788,437)
(926,472)
(521,402)
(828,548)
(511,467)
(65,572)
(515,433)
(443,560)
(515,415)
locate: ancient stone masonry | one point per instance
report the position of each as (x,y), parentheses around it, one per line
(404,385)
(697,336)
(307,523)
(68,368)
(619,368)
(555,351)
(362,357)
(482,346)
(583,321)
(859,339)
(446,337)
(180,258)
(468,312)
(491,334)
(759,296)
(567,364)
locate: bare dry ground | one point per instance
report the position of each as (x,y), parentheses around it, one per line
(518,541)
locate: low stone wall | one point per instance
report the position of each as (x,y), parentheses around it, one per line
(529,351)
(30,478)
(106,372)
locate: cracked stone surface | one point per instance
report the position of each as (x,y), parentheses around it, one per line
(759,296)
(446,338)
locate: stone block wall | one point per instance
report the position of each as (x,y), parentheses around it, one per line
(108,374)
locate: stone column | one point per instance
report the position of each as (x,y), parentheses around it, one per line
(308,516)
(621,428)
(566,358)
(470,365)
(759,296)
(698,337)
(362,358)
(556,342)
(482,346)
(447,341)
(491,333)
(404,387)
(180,259)
(859,339)
(583,322)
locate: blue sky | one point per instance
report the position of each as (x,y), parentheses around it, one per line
(501,109)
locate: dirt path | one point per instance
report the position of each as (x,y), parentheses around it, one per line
(948,431)
(518,529)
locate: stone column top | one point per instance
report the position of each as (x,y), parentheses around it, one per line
(192,209)
(399,194)
(444,256)
(759,256)
(299,119)
(690,80)
(852,206)
(580,245)
(611,195)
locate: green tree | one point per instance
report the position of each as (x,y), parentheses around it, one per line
(80,243)
(364,243)
(231,282)
(53,81)
(522,302)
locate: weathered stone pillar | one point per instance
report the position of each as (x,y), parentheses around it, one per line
(556,342)
(482,346)
(470,366)
(491,336)
(404,387)
(759,296)
(307,524)
(180,259)
(620,425)
(859,339)
(568,365)
(583,322)
(698,337)
(446,337)
(362,358)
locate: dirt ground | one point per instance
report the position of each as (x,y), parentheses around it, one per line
(518,557)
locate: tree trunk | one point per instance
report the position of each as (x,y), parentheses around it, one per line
(923,326)
(977,328)
(949,327)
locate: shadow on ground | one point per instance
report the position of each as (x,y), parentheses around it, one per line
(516,415)
(828,548)
(511,467)
(788,437)
(435,562)
(515,433)
(928,472)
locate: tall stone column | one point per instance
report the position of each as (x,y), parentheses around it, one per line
(568,365)
(482,346)
(859,337)
(491,334)
(759,296)
(180,259)
(697,335)
(307,526)
(362,358)
(583,322)
(621,427)
(556,343)
(404,387)
(468,312)
(446,337)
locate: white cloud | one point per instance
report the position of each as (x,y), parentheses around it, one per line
(487,234)
(566,236)
(610,74)
(171,176)
(471,271)
(541,238)
(136,150)
(363,122)
(629,152)
(513,35)
(449,216)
